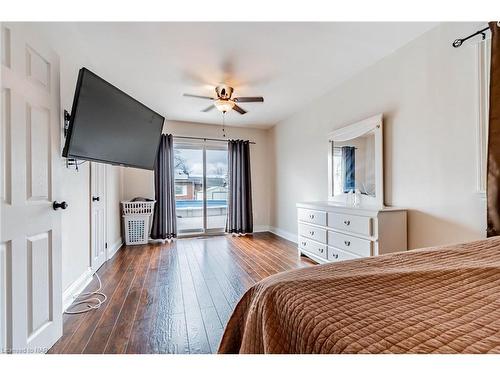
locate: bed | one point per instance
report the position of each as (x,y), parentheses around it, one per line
(435,300)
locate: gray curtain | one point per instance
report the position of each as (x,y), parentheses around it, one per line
(239,216)
(164,220)
(349,167)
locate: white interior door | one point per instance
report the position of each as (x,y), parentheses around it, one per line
(98,214)
(30,243)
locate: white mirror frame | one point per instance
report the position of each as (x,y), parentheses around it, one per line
(373,124)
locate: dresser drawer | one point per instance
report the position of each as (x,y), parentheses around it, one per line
(336,255)
(314,233)
(312,216)
(352,244)
(313,247)
(351,223)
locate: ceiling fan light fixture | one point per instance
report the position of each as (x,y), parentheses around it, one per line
(224,105)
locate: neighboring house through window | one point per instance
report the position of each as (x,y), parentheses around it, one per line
(180,190)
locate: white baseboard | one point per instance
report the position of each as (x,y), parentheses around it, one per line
(261,228)
(114,248)
(284,234)
(76,288)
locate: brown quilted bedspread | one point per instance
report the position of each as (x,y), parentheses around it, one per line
(437,300)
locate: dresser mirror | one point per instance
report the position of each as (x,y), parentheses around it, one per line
(355,164)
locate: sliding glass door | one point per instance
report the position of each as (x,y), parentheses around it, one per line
(188,162)
(216,183)
(200,186)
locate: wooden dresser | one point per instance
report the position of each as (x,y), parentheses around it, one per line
(329,232)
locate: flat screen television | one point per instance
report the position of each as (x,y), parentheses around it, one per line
(109,126)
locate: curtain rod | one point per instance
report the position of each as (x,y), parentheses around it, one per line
(207,139)
(458,42)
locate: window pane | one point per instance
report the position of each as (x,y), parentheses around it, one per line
(189,188)
(217,188)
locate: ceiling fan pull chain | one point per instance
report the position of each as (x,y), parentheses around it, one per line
(223,124)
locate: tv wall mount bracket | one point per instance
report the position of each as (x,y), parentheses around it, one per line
(70,162)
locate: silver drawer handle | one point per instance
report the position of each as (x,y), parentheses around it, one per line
(347,222)
(321,250)
(311,216)
(304,243)
(311,232)
(347,243)
(335,255)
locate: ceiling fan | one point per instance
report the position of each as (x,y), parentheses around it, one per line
(224,101)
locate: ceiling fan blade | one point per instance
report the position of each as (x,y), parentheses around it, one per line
(239,110)
(198,96)
(249,99)
(209,108)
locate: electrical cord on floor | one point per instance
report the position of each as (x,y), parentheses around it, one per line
(93,301)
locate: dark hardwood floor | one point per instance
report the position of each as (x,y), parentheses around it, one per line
(177,297)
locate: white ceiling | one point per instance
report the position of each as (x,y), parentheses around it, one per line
(289,64)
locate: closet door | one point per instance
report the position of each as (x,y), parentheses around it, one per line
(98,214)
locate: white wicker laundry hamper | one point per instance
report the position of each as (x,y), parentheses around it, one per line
(136,220)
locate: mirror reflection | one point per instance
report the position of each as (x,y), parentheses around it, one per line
(354,165)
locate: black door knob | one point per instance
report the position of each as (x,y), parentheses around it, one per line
(95,199)
(56,205)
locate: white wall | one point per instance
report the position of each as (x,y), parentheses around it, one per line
(426,91)
(76,185)
(76,191)
(140,183)
(114,193)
